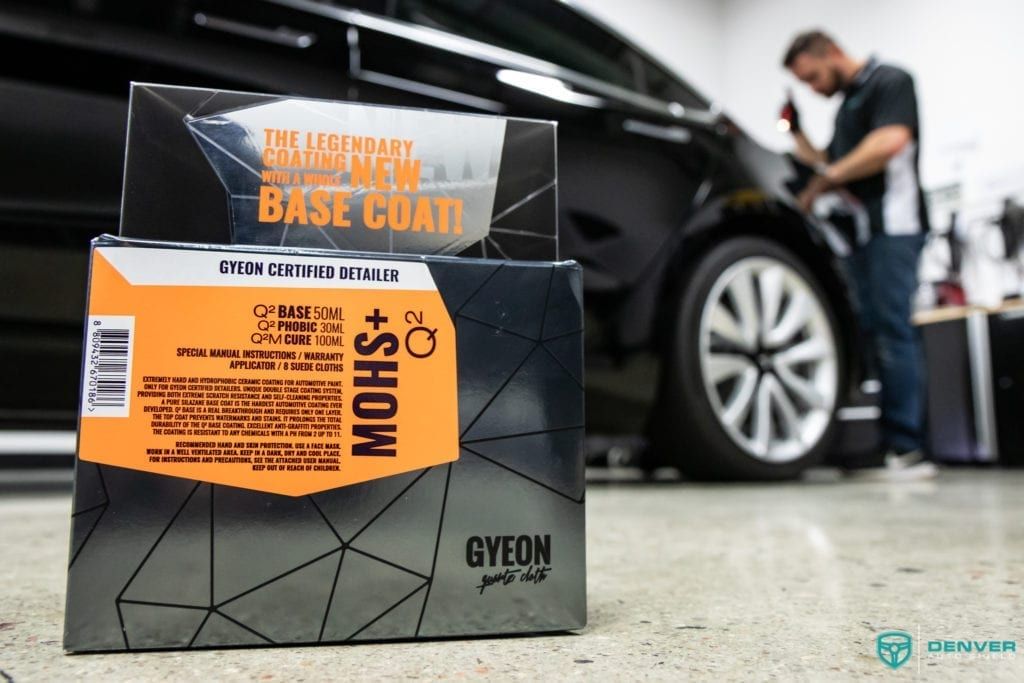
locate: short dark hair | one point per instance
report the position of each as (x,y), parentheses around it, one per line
(815,42)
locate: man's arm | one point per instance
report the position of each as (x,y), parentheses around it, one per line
(867,158)
(806,152)
(870,156)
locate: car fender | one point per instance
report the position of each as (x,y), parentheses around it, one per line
(648,311)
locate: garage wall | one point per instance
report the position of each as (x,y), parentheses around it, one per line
(682,34)
(966,58)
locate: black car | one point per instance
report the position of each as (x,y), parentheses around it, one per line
(717,319)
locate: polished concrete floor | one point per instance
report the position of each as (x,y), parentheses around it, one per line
(789,582)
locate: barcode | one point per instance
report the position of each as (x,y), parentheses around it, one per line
(111,367)
(108,353)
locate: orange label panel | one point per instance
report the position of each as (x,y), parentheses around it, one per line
(280,373)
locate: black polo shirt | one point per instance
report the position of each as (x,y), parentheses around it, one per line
(882,95)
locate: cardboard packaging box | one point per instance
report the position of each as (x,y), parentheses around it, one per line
(301,446)
(293,440)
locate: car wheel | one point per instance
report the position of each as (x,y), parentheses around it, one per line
(753,369)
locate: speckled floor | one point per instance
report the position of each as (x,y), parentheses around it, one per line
(791,582)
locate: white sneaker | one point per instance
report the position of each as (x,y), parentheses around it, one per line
(909,466)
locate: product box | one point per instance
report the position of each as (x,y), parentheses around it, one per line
(311,446)
(223,167)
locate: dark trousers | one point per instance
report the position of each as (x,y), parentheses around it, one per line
(884,274)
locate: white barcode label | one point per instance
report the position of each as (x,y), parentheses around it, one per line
(106,386)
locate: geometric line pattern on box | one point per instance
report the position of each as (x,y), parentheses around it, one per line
(390,593)
(537,377)
(272,596)
(437,544)
(510,225)
(94,513)
(530,196)
(401,620)
(487,307)
(553,490)
(494,448)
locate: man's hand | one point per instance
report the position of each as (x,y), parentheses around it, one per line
(790,115)
(789,119)
(818,185)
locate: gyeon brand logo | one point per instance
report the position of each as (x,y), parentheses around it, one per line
(894,648)
(508,551)
(523,559)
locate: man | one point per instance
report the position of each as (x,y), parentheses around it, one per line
(873,159)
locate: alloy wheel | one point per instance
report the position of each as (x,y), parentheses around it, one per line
(768,359)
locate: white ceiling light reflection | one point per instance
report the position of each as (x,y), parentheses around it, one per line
(547,86)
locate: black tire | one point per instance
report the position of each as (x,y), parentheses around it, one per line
(686,430)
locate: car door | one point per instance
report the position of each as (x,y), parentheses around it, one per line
(64,85)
